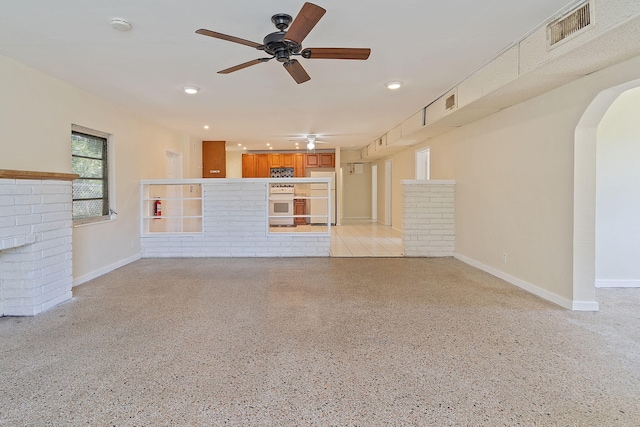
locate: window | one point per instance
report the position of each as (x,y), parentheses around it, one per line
(91,189)
(423,163)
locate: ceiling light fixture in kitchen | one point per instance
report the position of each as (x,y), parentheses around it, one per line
(206,127)
(191,90)
(311,142)
(394,85)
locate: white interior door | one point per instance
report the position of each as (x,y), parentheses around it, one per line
(387,192)
(374,192)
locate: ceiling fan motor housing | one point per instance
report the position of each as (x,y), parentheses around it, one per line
(281,49)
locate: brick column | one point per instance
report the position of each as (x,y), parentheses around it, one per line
(428,218)
(35,245)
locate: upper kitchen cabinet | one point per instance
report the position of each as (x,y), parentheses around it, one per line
(327,160)
(321,160)
(312,161)
(214,160)
(281,160)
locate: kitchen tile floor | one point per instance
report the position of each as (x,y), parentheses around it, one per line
(356,238)
(365,238)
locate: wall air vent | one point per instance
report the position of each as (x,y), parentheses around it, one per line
(569,24)
(450,102)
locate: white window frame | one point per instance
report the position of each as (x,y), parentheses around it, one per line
(111,182)
(423,163)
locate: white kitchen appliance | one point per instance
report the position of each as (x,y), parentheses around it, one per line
(281,204)
(318,207)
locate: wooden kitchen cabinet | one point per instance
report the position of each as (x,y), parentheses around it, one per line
(299,208)
(286,160)
(299,161)
(281,160)
(263,169)
(327,160)
(255,166)
(214,160)
(275,160)
(248,166)
(312,161)
(321,160)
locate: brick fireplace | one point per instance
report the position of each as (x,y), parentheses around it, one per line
(35,241)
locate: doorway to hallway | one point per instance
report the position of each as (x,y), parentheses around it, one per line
(365,238)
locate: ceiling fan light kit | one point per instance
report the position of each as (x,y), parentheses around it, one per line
(282,45)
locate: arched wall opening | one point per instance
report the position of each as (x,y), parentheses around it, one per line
(585,184)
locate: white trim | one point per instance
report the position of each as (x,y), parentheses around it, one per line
(585,306)
(428,182)
(104,270)
(617,283)
(535,290)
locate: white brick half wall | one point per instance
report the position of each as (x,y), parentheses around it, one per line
(428,220)
(35,245)
(235,225)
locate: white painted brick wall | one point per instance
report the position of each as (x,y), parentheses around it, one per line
(428,218)
(235,225)
(35,245)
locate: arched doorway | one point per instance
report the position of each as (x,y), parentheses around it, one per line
(584,209)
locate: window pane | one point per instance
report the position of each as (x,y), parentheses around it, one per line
(87,168)
(87,189)
(87,146)
(88,209)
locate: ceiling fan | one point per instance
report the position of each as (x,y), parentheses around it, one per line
(311,141)
(282,45)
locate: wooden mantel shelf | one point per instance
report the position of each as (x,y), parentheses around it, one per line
(13,174)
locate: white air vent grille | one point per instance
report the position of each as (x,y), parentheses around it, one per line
(569,24)
(450,102)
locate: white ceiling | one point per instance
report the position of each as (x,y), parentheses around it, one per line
(428,45)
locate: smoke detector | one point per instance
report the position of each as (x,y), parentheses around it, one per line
(120,24)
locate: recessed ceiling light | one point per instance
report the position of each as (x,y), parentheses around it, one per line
(191,90)
(120,24)
(239,145)
(206,127)
(270,148)
(244,148)
(268,144)
(394,85)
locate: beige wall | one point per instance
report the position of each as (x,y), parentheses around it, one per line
(514,173)
(356,190)
(234,164)
(36,113)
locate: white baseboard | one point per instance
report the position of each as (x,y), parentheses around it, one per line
(535,290)
(617,283)
(104,270)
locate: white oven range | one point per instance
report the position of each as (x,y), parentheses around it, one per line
(281,204)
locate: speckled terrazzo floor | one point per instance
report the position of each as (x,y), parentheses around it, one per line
(319,342)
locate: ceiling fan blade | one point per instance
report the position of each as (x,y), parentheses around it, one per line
(297,71)
(228,38)
(304,22)
(336,53)
(244,65)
